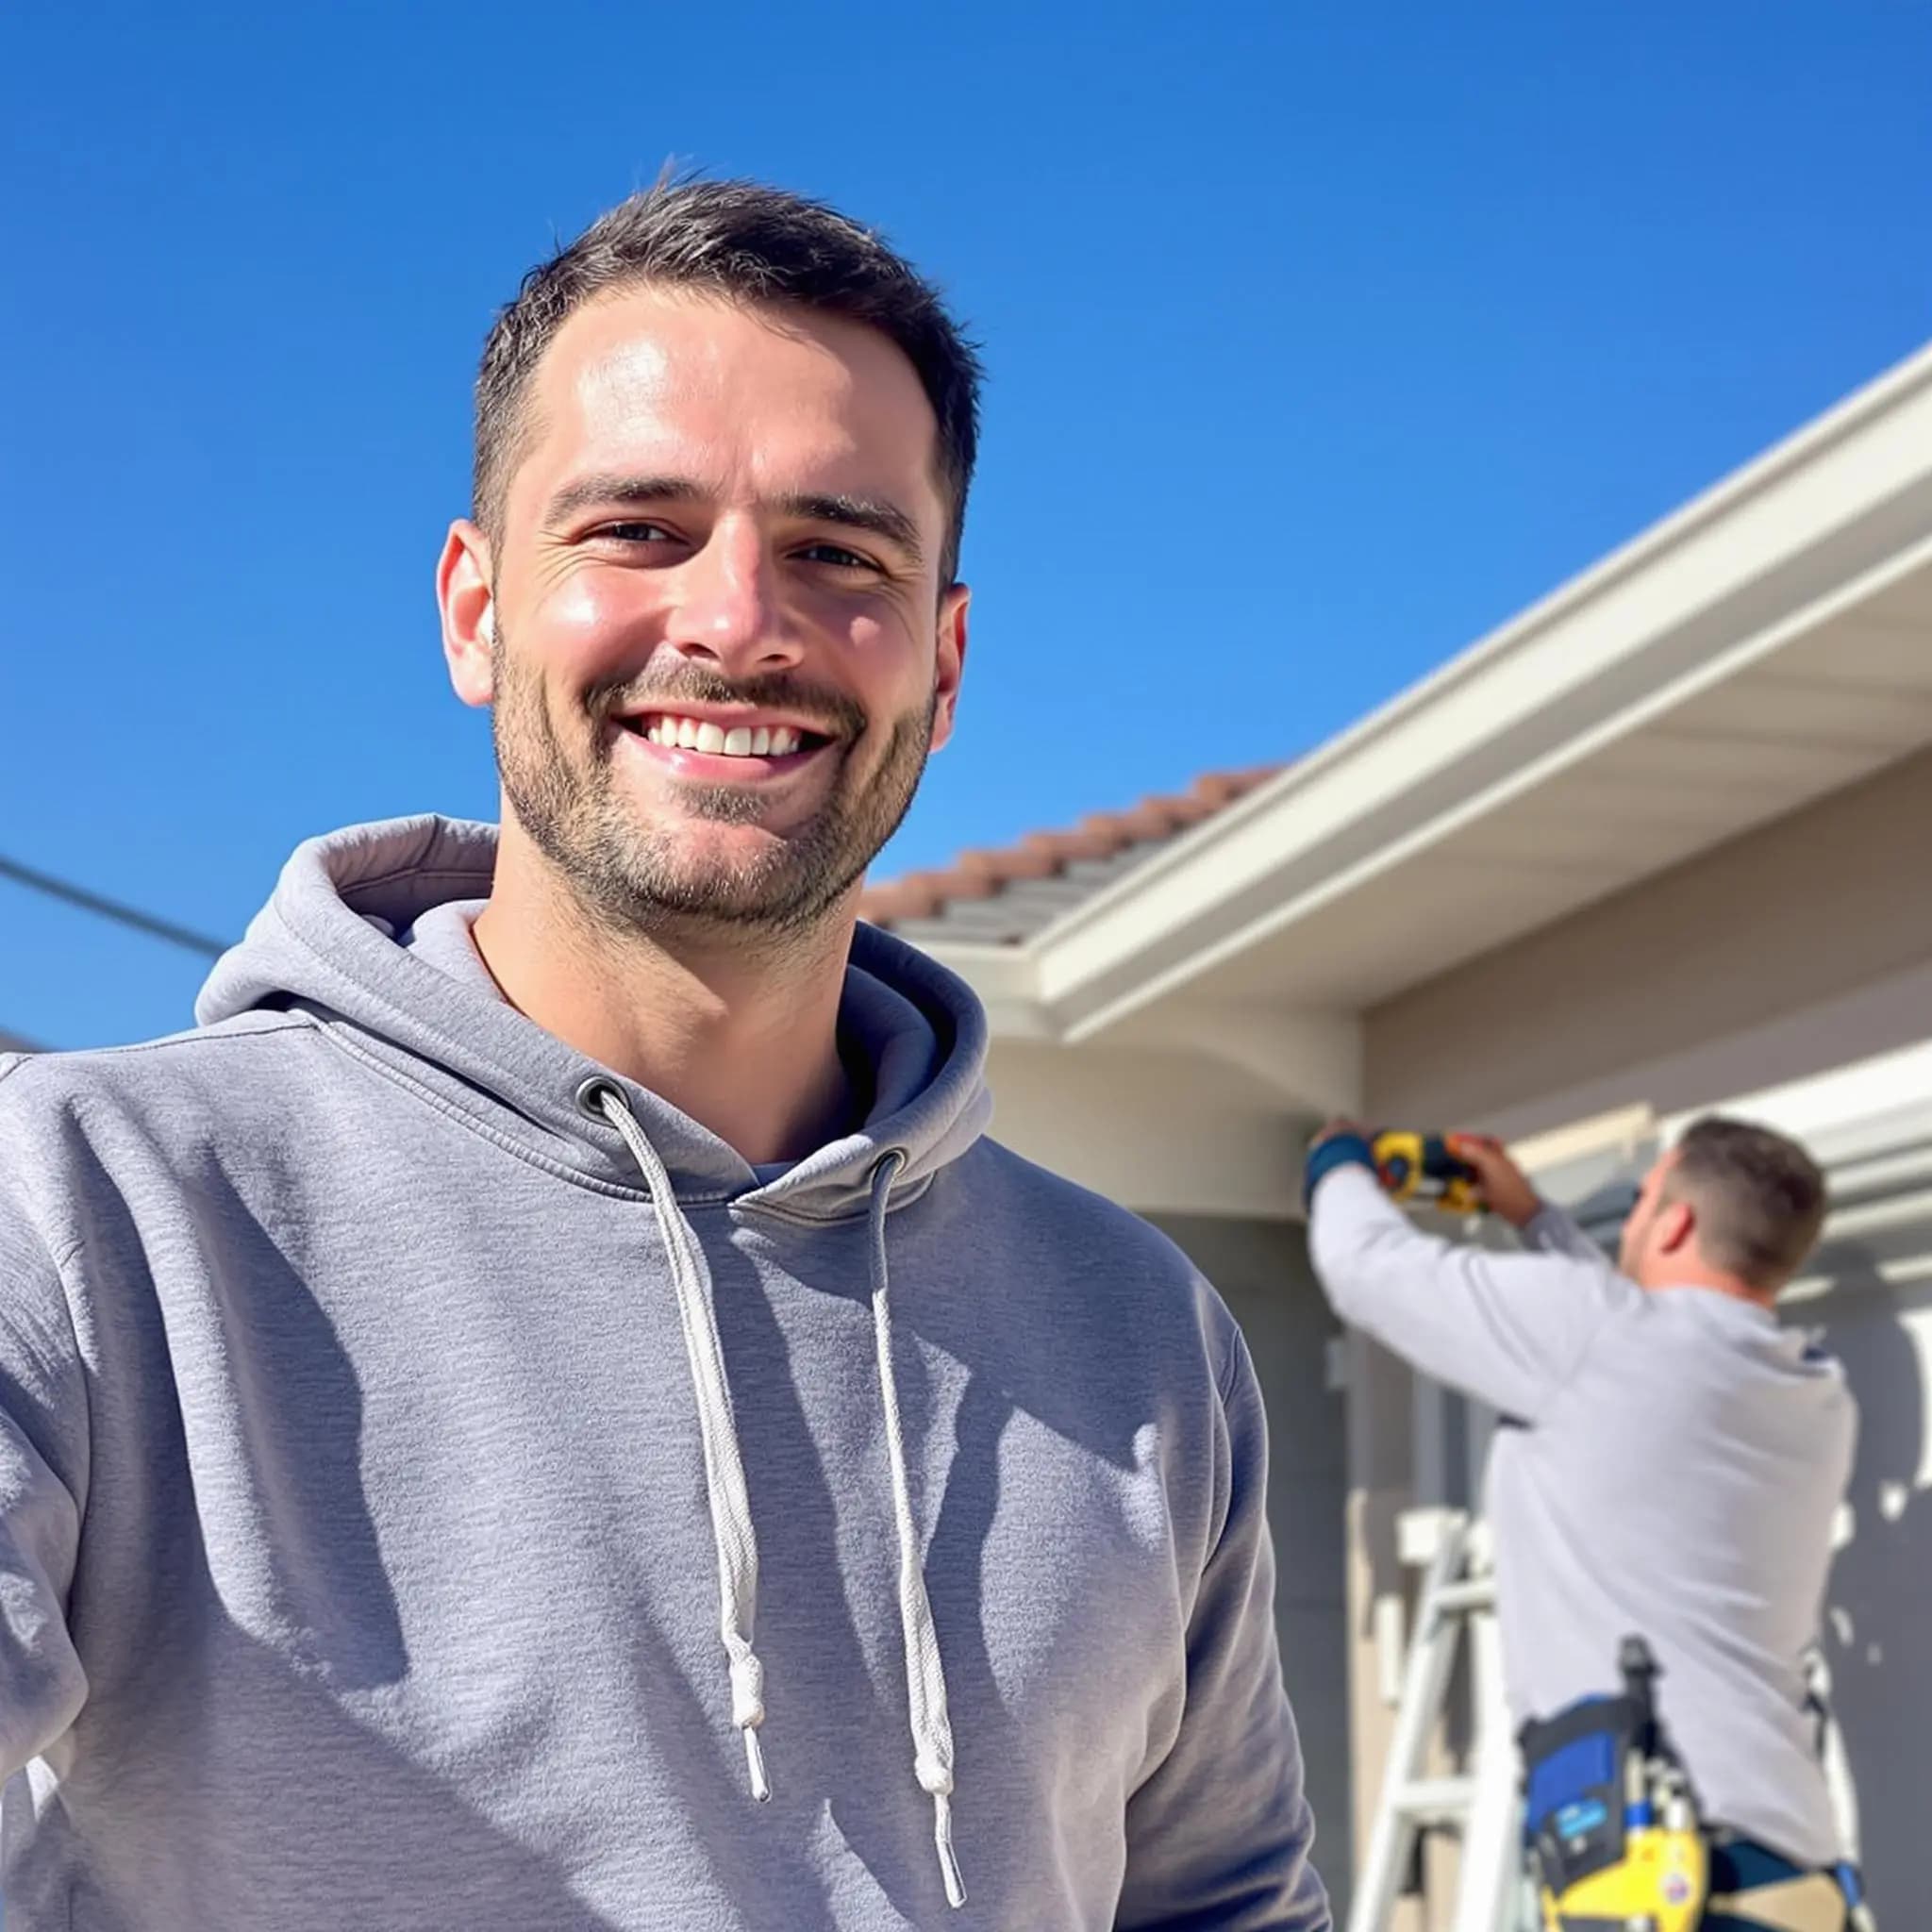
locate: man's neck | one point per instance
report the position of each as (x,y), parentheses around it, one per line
(1696,1273)
(741,1033)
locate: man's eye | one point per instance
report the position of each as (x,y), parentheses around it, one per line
(836,554)
(635,532)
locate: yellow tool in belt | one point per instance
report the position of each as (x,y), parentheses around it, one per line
(1662,1884)
(1615,1838)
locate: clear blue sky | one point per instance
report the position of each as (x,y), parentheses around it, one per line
(1322,340)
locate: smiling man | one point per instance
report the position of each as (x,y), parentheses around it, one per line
(548,1410)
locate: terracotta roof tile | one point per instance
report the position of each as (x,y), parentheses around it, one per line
(1042,861)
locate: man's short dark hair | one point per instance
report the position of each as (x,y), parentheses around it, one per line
(1760,1198)
(749,243)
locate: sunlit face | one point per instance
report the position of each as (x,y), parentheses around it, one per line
(711,628)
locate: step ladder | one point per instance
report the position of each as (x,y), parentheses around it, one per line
(1458,1598)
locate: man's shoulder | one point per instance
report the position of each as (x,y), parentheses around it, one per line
(1068,1241)
(151,1077)
(1050,1208)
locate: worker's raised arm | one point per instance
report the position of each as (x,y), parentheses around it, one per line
(43,1478)
(1509,1329)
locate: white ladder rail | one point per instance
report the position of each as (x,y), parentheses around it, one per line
(1483,1805)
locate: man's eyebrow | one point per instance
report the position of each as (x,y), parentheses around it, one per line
(588,492)
(873,514)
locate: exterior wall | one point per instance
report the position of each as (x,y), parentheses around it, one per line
(1165,1130)
(1799,947)
(1261,1269)
(1879,1639)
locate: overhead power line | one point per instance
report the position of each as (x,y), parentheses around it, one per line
(131,916)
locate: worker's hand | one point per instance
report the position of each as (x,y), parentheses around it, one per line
(1506,1189)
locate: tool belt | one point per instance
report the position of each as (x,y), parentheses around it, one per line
(1616,1840)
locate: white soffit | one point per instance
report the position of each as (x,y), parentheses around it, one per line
(1768,643)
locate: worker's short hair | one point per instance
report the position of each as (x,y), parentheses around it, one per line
(743,242)
(1760,1198)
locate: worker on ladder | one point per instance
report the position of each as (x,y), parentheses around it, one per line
(1669,1469)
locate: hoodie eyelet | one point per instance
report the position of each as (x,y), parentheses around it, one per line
(590,1094)
(893,1157)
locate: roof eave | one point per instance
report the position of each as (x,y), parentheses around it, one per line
(1687,605)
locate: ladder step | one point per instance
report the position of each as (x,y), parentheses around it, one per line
(1436,1800)
(1479,1595)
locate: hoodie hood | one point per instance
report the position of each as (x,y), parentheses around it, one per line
(322,944)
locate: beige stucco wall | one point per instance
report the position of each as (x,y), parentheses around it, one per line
(1800,946)
(1166,1131)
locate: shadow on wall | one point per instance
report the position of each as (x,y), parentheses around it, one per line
(1878,1636)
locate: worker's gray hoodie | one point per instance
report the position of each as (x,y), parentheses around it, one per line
(415,1513)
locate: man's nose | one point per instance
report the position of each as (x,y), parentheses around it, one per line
(729,613)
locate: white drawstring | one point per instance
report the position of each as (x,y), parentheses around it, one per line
(925,1677)
(730,1506)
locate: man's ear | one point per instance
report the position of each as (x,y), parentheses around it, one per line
(1676,1223)
(464,596)
(949,664)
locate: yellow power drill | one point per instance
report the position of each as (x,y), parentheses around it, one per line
(1420,1168)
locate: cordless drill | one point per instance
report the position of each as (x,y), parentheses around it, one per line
(1420,1168)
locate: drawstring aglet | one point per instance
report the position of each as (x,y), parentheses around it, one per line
(943,1837)
(755,1758)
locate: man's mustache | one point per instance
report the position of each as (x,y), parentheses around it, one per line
(834,713)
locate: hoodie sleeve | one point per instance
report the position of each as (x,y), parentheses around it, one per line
(1218,1837)
(44,1434)
(1509,1329)
(1553,1232)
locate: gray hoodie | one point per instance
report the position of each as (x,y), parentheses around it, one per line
(1670,1468)
(441,1485)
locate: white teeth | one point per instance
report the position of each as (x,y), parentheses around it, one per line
(740,741)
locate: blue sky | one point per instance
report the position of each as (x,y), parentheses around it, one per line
(1321,340)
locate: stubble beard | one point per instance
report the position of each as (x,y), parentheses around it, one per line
(632,876)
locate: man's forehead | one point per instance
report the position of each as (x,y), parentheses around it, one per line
(680,357)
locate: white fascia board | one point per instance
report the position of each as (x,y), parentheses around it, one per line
(1825,519)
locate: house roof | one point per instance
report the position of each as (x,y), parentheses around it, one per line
(1761,648)
(1004,896)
